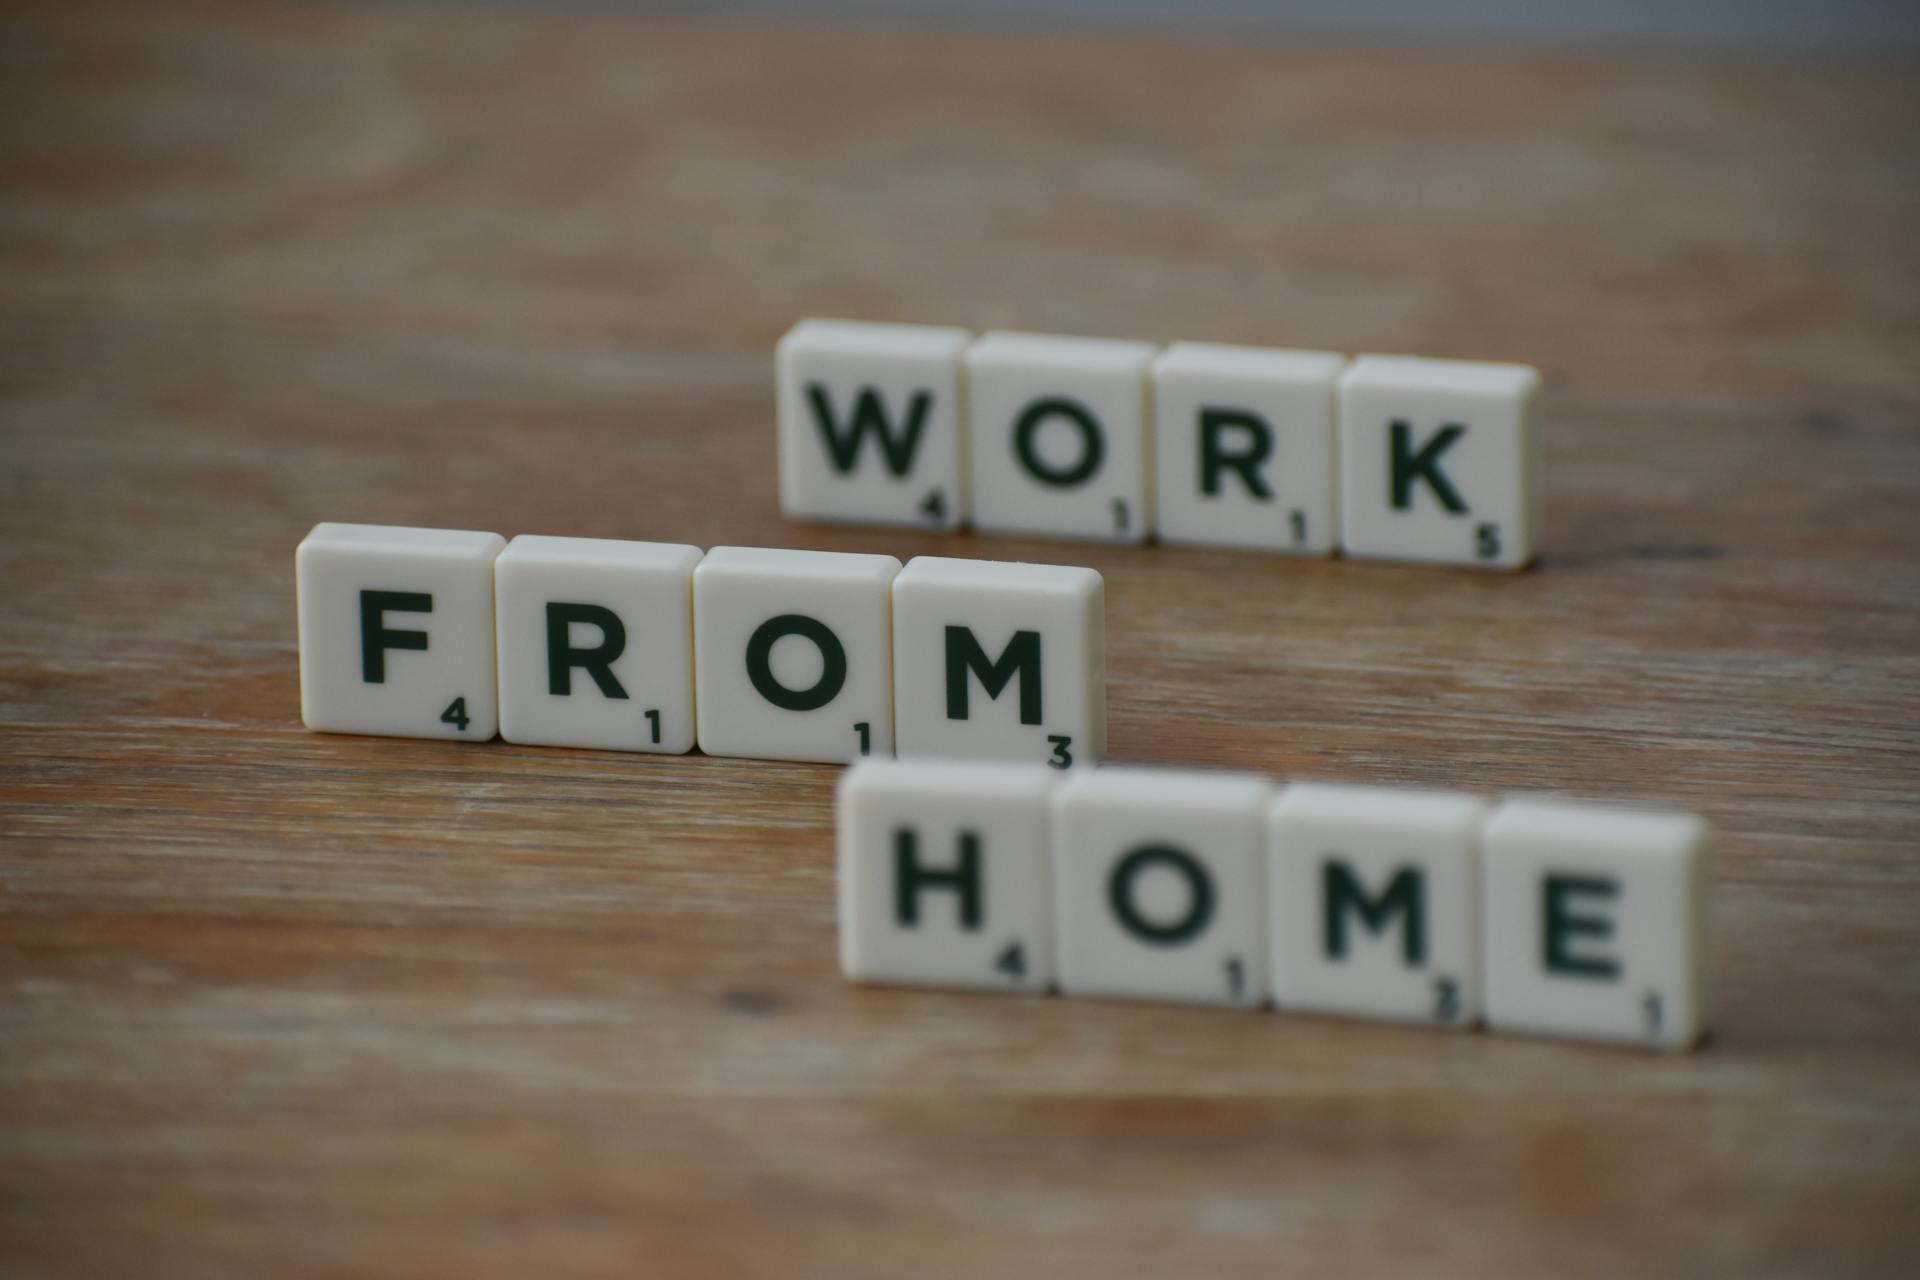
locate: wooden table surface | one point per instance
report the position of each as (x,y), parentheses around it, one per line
(278,1002)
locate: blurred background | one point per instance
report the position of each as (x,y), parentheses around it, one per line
(1838,25)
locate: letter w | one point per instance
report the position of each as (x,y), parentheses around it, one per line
(869,416)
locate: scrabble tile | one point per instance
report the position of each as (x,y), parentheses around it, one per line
(870,423)
(793,655)
(1159,885)
(1596,922)
(1244,447)
(1057,436)
(944,874)
(396,631)
(1374,903)
(596,643)
(999,661)
(1438,461)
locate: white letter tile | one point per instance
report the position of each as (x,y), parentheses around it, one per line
(1438,461)
(1159,885)
(1375,903)
(596,643)
(870,423)
(794,653)
(1244,443)
(1596,923)
(396,631)
(1057,433)
(999,661)
(943,874)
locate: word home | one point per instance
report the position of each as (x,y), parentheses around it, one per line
(1303,452)
(645,646)
(1443,910)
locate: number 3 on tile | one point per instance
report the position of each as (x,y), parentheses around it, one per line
(456,714)
(1012,962)
(1062,757)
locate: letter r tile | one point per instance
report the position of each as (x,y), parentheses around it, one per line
(596,643)
(1244,447)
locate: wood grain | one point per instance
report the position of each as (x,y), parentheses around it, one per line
(272,1002)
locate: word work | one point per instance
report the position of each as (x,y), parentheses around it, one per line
(1301,452)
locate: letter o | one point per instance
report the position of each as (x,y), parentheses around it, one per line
(833,662)
(1199,890)
(1093,445)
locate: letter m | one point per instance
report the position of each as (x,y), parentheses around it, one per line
(1405,896)
(869,418)
(964,656)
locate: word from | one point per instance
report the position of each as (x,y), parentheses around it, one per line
(1539,915)
(646,646)
(1385,457)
